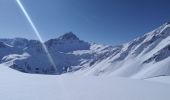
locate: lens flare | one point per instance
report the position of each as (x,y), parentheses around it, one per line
(37,34)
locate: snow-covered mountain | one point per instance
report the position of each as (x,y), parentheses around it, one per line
(6,49)
(16,42)
(67,43)
(144,57)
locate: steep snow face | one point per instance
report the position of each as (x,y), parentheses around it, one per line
(160,55)
(68,36)
(67,43)
(144,57)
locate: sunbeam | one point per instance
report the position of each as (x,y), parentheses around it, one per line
(37,34)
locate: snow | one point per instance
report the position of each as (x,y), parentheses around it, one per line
(143,61)
(144,57)
(160,79)
(15,85)
(67,43)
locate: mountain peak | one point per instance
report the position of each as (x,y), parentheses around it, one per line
(69,36)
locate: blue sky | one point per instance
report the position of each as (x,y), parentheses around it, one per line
(102,21)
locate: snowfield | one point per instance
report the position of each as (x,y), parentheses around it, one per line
(161,79)
(16,85)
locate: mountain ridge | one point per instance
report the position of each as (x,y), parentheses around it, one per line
(139,58)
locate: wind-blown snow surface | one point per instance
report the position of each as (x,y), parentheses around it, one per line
(145,57)
(15,85)
(161,79)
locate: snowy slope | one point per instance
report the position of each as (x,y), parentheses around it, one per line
(20,86)
(144,57)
